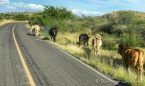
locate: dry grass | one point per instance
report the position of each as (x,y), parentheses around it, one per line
(108,62)
(6,21)
(10,21)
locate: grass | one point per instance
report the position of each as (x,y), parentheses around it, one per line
(108,62)
(9,21)
(5,21)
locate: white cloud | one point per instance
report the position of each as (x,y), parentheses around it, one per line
(86,12)
(79,7)
(4,2)
(28,6)
(35,7)
(11,7)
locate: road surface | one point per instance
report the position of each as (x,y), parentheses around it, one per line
(47,65)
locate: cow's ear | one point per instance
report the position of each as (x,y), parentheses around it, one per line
(120,45)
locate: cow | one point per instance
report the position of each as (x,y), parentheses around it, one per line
(83,40)
(53,33)
(34,30)
(96,43)
(133,57)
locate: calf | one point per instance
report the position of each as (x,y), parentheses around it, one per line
(83,40)
(96,43)
(134,57)
(34,30)
(53,33)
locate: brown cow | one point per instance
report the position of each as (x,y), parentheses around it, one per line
(134,57)
(96,43)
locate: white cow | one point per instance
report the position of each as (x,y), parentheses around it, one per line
(96,43)
(35,29)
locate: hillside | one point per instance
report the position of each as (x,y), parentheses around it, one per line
(114,25)
(117,14)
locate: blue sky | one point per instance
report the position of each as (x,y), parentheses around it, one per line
(78,7)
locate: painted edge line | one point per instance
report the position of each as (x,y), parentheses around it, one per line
(114,82)
(32,83)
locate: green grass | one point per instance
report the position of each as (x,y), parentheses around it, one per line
(108,62)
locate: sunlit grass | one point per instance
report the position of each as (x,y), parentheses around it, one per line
(10,21)
(6,21)
(108,62)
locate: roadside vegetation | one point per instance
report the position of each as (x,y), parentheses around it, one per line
(125,27)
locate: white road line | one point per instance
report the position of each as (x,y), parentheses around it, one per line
(114,82)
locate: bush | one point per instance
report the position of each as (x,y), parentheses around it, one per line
(119,29)
(132,39)
(20,17)
(109,42)
(58,12)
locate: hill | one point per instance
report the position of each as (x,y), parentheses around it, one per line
(113,25)
(117,14)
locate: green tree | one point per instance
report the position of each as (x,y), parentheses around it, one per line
(132,39)
(57,12)
(20,17)
(125,17)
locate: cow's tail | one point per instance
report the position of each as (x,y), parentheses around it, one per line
(140,57)
(93,43)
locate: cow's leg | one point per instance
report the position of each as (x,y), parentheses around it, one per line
(139,71)
(95,51)
(31,32)
(78,44)
(54,39)
(36,33)
(51,38)
(87,43)
(84,44)
(139,68)
(127,68)
(141,63)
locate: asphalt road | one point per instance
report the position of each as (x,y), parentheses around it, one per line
(48,65)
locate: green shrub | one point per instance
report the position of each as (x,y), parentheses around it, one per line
(109,42)
(119,29)
(131,39)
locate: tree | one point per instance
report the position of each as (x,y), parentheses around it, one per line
(132,39)
(57,12)
(20,17)
(125,17)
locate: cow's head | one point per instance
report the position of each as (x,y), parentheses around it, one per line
(120,49)
(97,36)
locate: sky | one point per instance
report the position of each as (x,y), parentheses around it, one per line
(78,7)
